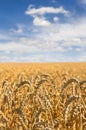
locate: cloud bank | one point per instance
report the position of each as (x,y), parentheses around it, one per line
(45,40)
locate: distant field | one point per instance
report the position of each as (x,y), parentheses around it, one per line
(43,96)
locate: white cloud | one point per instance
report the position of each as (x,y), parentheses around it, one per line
(34,58)
(56,19)
(18,47)
(83,1)
(19,29)
(45,10)
(82,58)
(5,58)
(16,31)
(38,14)
(4,36)
(26,45)
(40,21)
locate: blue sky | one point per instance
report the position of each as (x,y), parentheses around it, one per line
(42,30)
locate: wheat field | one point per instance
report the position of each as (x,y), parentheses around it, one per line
(43,96)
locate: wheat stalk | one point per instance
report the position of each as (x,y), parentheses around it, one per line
(38,124)
(66,110)
(3,115)
(68,82)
